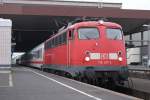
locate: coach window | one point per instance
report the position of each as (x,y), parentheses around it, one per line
(37,53)
(114,34)
(87,33)
(49,44)
(40,53)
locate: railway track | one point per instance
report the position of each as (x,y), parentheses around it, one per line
(133,92)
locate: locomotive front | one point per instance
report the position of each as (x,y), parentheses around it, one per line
(98,50)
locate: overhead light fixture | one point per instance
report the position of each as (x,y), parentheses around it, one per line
(146,25)
(110,5)
(13,44)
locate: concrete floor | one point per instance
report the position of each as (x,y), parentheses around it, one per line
(32,84)
(140,84)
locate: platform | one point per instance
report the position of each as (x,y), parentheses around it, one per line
(32,84)
(139,84)
(5,78)
(139,78)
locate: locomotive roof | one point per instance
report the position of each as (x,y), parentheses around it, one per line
(86,24)
(96,23)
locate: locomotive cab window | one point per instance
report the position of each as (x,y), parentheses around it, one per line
(88,33)
(114,34)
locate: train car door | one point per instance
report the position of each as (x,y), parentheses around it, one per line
(69,46)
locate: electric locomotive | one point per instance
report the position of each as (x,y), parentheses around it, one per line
(89,50)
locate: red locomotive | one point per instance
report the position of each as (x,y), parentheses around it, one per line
(91,50)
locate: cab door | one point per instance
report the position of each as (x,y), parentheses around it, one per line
(70,39)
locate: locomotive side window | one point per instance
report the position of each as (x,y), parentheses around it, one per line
(56,41)
(53,42)
(64,40)
(60,42)
(70,36)
(88,33)
(46,45)
(114,34)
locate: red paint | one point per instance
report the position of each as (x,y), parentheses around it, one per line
(78,48)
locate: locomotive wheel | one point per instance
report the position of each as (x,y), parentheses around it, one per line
(92,81)
(85,80)
(68,75)
(96,82)
(81,79)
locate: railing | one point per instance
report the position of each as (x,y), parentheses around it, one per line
(140,69)
(141,72)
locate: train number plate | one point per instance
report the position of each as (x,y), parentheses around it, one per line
(94,55)
(113,56)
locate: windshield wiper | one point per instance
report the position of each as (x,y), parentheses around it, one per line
(88,38)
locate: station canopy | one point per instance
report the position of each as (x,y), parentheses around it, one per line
(36,21)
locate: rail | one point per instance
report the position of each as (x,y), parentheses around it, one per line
(140,69)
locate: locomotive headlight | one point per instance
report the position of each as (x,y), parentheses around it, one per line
(120,59)
(87,58)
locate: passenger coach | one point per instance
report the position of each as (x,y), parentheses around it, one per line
(34,57)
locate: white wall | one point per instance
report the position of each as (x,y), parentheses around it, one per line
(5,42)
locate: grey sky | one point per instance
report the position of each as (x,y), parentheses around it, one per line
(136,4)
(126,4)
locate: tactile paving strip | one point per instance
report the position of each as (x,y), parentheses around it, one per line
(5,79)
